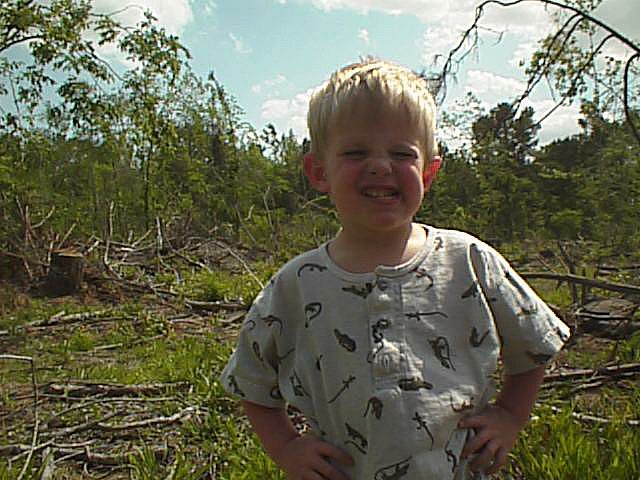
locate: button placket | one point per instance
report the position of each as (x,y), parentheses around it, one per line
(387,334)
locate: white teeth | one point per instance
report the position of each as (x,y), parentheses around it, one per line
(380,193)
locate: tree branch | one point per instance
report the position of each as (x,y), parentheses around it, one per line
(590,282)
(538,74)
(627,110)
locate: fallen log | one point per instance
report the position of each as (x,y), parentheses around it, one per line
(590,373)
(83,389)
(589,282)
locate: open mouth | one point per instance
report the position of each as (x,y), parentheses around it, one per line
(380,192)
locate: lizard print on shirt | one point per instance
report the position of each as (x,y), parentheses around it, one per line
(275,393)
(298,389)
(345,341)
(256,350)
(270,320)
(345,385)
(563,336)
(311,311)
(360,291)
(378,337)
(442,352)
(421,272)
(289,352)
(418,315)
(375,404)
(234,386)
(250,324)
(511,279)
(357,439)
(422,425)
(312,267)
(394,471)
(451,457)
(414,384)
(475,340)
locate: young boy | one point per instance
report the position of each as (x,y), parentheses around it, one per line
(387,336)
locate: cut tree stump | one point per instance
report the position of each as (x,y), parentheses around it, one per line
(66,271)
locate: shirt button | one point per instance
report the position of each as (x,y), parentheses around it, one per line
(382,284)
(379,303)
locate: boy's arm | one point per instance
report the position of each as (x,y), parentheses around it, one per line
(300,456)
(497,426)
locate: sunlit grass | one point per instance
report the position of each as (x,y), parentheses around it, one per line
(557,446)
(145,347)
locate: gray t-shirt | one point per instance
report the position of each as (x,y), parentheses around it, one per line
(385,364)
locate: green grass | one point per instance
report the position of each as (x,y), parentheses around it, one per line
(147,347)
(558,447)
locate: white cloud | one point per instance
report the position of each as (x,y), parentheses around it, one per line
(492,88)
(288,113)
(523,53)
(267,87)
(210,7)
(459,14)
(174,15)
(363,35)
(561,123)
(437,42)
(447,20)
(239,45)
(616,50)
(621,15)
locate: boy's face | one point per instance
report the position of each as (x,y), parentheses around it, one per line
(373,167)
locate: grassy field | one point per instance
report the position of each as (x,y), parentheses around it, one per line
(118,382)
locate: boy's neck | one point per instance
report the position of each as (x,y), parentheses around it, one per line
(362,253)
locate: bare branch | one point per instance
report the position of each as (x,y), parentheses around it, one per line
(576,78)
(627,111)
(568,28)
(539,75)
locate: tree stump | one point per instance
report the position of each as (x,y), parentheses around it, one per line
(66,271)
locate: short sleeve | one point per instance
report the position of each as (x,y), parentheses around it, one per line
(530,332)
(252,371)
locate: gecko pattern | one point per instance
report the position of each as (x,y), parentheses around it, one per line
(394,471)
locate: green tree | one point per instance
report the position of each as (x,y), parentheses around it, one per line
(60,52)
(502,150)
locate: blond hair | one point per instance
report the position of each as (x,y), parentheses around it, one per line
(376,80)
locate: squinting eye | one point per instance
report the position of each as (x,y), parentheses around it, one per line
(403,155)
(354,153)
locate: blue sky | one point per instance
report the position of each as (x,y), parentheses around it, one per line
(270,54)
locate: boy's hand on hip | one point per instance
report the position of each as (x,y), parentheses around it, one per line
(496,433)
(306,458)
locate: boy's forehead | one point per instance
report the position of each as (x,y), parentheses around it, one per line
(370,111)
(361,128)
(369,114)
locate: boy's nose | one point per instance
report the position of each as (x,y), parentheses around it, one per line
(379,165)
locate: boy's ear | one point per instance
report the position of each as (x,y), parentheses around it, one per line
(430,172)
(316,173)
